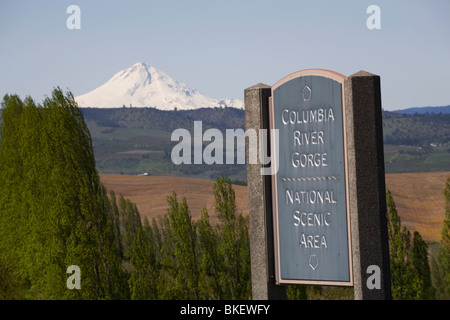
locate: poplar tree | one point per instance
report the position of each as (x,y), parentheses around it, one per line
(143,278)
(442,265)
(421,267)
(212,267)
(129,224)
(180,251)
(12,223)
(53,206)
(135,243)
(234,241)
(410,273)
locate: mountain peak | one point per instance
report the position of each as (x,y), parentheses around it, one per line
(142,85)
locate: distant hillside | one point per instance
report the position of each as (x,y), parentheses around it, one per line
(417,142)
(137,140)
(424,110)
(399,129)
(416,129)
(154,119)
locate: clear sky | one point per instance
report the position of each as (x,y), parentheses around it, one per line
(223,47)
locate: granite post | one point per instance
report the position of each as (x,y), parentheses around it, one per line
(366,176)
(260,202)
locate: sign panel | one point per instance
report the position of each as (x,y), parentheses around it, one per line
(310,198)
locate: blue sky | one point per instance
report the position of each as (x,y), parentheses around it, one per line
(223,47)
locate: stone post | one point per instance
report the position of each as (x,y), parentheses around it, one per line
(365,154)
(260,202)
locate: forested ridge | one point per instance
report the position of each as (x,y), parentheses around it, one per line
(54,213)
(416,129)
(137,140)
(419,129)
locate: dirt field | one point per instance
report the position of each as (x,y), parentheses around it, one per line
(150,193)
(419,197)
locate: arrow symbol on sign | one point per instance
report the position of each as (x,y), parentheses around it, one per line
(313,261)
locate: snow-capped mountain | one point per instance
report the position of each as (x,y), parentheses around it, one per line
(142,85)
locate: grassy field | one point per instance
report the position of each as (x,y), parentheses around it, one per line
(419,197)
(403,158)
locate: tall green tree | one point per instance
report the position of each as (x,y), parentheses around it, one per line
(52,195)
(410,273)
(13,223)
(234,243)
(129,225)
(442,266)
(421,266)
(181,251)
(212,267)
(114,218)
(144,274)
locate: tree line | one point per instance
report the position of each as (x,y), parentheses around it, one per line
(54,212)
(176,257)
(168,121)
(416,129)
(413,275)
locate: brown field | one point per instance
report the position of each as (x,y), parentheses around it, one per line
(419,197)
(150,193)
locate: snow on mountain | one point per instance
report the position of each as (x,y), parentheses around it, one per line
(142,85)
